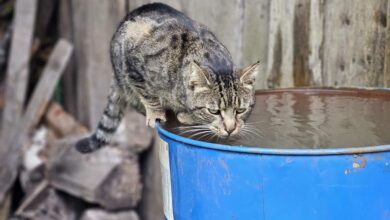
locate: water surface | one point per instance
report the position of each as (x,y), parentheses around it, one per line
(314,118)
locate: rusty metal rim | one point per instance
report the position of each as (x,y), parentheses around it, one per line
(279,151)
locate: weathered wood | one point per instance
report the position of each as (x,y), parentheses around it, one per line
(301,44)
(5,208)
(69,83)
(32,197)
(92,35)
(255,39)
(316,40)
(151,205)
(387,51)
(280,41)
(109,177)
(44,16)
(228,29)
(354,42)
(17,71)
(47,204)
(62,123)
(289,40)
(5,40)
(98,214)
(10,156)
(30,179)
(46,85)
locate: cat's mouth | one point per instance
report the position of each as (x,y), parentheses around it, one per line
(223,133)
(210,132)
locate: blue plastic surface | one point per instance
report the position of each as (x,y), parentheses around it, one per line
(218,182)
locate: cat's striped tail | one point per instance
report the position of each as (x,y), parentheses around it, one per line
(108,124)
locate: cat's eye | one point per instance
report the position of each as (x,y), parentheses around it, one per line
(240,110)
(213,111)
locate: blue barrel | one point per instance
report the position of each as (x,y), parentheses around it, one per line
(205,181)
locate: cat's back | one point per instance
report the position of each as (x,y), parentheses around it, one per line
(158,12)
(156,17)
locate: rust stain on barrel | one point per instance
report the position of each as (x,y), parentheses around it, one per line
(359,162)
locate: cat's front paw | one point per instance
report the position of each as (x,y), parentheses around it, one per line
(153,116)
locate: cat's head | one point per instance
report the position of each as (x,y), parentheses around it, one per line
(222,101)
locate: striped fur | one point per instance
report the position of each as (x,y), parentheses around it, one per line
(163,60)
(108,124)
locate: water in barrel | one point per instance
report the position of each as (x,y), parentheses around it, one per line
(312,118)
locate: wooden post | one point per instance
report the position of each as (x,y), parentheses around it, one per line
(255,38)
(10,156)
(69,79)
(94,23)
(17,72)
(5,207)
(280,41)
(387,52)
(316,37)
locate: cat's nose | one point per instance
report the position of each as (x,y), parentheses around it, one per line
(230,126)
(230,130)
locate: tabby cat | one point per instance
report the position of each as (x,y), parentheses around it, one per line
(163,61)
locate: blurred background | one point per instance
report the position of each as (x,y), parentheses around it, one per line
(55,74)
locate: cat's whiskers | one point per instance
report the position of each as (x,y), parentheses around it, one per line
(192,126)
(242,134)
(251,130)
(204,136)
(194,130)
(253,123)
(199,133)
(212,137)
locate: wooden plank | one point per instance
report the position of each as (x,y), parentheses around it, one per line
(92,35)
(63,123)
(5,40)
(354,39)
(280,41)
(290,44)
(301,44)
(10,159)
(46,204)
(387,52)
(44,16)
(5,208)
(224,18)
(316,41)
(255,36)
(69,83)
(17,72)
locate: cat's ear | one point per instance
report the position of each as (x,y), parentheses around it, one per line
(198,77)
(248,75)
